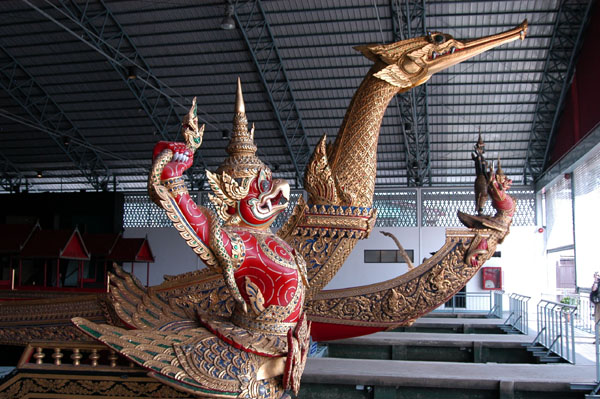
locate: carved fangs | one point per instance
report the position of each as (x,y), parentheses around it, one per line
(265,205)
(451,50)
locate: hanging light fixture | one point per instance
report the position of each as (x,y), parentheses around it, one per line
(228,23)
(131,72)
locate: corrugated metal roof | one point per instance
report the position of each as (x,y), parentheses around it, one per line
(185,49)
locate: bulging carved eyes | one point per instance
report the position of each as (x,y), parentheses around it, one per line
(436,38)
(265,185)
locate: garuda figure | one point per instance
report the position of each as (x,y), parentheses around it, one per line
(497,187)
(260,350)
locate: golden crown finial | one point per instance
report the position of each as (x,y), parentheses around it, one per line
(242,161)
(240,108)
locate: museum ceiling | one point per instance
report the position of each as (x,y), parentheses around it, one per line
(88,88)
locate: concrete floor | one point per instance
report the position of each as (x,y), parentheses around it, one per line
(538,377)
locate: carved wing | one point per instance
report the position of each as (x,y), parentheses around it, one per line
(141,308)
(190,359)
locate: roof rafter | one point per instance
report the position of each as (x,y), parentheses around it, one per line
(251,19)
(11,178)
(570,21)
(102,32)
(42,109)
(408,20)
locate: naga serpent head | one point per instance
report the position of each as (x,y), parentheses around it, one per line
(412,62)
(190,130)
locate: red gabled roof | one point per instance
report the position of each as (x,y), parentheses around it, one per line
(132,250)
(100,244)
(64,244)
(13,237)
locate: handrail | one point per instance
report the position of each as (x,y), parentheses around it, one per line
(556,329)
(474,302)
(496,299)
(518,317)
(584,316)
(597,344)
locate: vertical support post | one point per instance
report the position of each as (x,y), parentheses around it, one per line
(571,175)
(58,282)
(572,338)
(147,274)
(45,272)
(597,344)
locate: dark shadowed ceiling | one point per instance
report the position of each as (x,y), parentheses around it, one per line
(72,119)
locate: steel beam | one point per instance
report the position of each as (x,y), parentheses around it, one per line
(408,20)
(254,27)
(11,178)
(95,25)
(25,91)
(571,18)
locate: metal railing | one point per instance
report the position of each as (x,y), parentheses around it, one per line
(555,325)
(496,299)
(584,316)
(470,302)
(594,392)
(518,307)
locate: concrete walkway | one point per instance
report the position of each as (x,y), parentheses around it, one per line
(539,377)
(535,377)
(432,339)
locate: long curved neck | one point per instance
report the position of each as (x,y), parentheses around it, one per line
(353,158)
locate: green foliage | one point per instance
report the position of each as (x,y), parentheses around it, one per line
(569,300)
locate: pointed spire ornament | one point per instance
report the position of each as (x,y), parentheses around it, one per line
(480,142)
(242,161)
(499,170)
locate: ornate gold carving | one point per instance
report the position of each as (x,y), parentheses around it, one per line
(256,299)
(350,164)
(193,137)
(401,300)
(319,182)
(253,341)
(49,319)
(30,383)
(227,192)
(189,127)
(185,230)
(194,360)
(175,186)
(298,348)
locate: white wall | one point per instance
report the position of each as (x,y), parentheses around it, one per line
(523,259)
(171,253)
